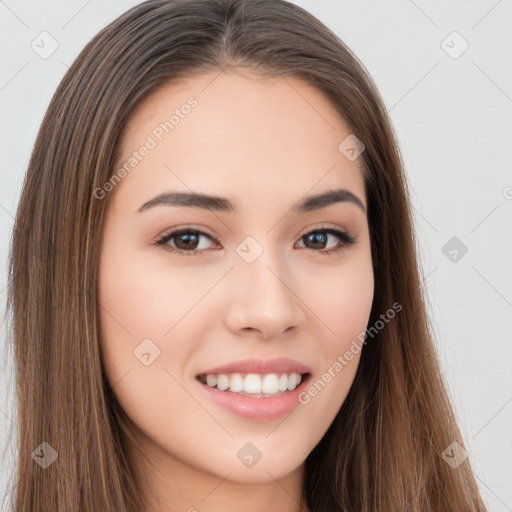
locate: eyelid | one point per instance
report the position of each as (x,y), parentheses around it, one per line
(162,240)
(345,237)
(324,226)
(185,229)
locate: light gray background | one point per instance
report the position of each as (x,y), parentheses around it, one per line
(453,120)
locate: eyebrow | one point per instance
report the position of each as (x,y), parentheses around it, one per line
(222,204)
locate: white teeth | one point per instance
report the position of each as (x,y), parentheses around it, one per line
(270,384)
(222,382)
(253,383)
(236,383)
(283,382)
(293,382)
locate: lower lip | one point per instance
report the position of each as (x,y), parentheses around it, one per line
(257,408)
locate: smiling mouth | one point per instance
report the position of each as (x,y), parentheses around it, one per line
(253,384)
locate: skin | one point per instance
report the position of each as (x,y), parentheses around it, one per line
(264,143)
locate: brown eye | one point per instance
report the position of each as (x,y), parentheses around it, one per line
(185,241)
(316,240)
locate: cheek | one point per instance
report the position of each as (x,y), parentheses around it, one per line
(148,307)
(349,306)
(131,307)
(143,297)
(144,351)
(340,304)
(341,300)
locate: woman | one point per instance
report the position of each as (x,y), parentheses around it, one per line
(264,369)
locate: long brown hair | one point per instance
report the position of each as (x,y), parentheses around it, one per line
(384,450)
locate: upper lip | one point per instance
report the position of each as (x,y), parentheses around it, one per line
(261,366)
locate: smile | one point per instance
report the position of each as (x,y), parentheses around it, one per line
(253,384)
(257,403)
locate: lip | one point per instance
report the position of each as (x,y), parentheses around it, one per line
(260,366)
(253,408)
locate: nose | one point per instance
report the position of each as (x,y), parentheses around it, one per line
(262,300)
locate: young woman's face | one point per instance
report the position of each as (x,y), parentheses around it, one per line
(252,276)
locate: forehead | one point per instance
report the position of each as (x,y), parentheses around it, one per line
(231,133)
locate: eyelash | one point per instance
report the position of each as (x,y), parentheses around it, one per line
(346,240)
